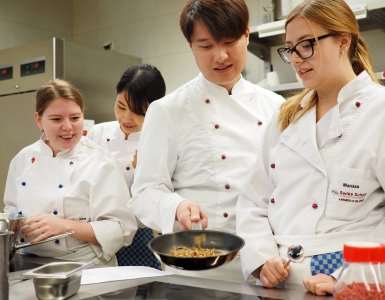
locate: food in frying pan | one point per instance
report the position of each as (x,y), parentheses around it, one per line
(225,243)
(194,252)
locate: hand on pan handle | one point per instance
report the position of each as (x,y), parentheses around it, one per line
(196,225)
(188,213)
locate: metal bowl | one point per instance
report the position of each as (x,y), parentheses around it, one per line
(227,244)
(57,280)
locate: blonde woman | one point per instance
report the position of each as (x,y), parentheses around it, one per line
(320,175)
(65,182)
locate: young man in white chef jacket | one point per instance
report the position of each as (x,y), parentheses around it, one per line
(197,143)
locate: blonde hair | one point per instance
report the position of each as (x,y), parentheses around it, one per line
(336,17)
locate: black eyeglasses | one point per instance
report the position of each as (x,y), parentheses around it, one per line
(304,49)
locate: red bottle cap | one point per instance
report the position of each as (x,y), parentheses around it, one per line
(364,252)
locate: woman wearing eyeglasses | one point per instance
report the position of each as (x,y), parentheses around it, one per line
(320,175)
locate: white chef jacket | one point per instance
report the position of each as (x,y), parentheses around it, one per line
(82,184)
(197,143)
(110,135)
(317,197)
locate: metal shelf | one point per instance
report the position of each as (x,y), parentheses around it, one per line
(286,86)
(298,85)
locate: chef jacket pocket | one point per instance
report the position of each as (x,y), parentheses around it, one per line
(347,193)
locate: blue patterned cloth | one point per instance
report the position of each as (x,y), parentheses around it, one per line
(326,263)
(138,253)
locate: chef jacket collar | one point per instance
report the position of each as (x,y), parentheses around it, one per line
(358,83)
(131,137)
(46,150)
(240,87)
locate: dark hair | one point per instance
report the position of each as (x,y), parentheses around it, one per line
(142,84)
(222,18)
(54,89)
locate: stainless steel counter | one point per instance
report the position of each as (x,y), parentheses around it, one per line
(24,290)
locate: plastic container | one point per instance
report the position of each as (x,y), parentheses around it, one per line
(363,274)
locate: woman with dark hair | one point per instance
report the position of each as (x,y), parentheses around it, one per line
(319,179)
(64,182)
(139,86)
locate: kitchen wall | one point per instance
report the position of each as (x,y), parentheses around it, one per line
(148,29)
(25,21)
(145,28)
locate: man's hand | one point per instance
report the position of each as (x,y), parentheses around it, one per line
(189,212)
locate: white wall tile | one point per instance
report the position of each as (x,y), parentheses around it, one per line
(55,15)
(134,39)
(254,8)
(22,34)
(4,34)
(89,15)
(176,69)
(168,6)
(145,38)
(168,38)
(4,11)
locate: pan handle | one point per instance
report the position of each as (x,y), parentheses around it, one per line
(17,246)
(196,225)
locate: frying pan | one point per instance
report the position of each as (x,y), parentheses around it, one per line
(228,244)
